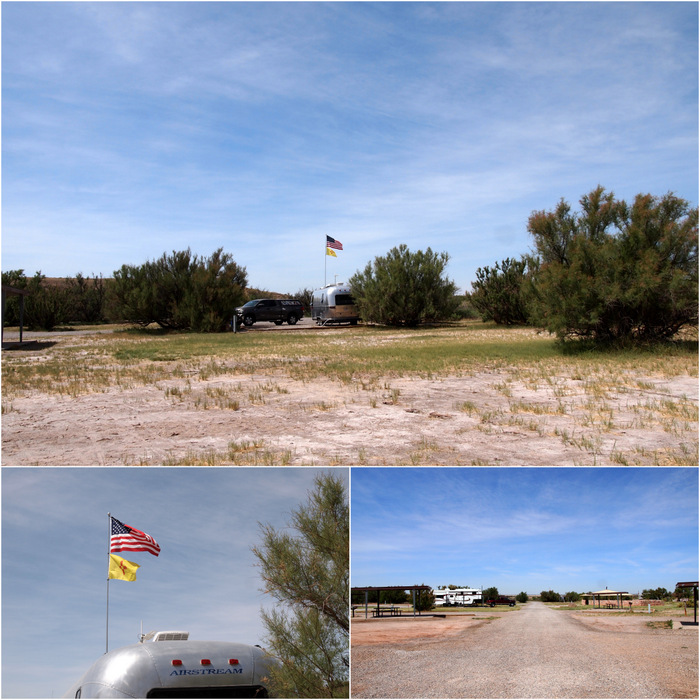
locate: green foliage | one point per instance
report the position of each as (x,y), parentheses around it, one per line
(78,299)
(308,574)
(498,292)
(655,594)
(521,597)
(305,296)
(405,288)
(425,600)
(680,592)
(615,273)
(550,597)
(45,307)
(385,597)
(181,291)
(572,597)
(489,593)
(86,299)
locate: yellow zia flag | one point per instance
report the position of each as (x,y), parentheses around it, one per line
(122,568)
(331,252)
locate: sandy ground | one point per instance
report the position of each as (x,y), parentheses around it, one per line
(279,420)
(533,652)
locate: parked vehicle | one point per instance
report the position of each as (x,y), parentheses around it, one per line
(501,600)
(457,596)
(334,304)
(173,666)
(275,310)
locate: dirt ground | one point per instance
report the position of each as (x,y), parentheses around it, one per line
(278,420)
(399,630)
(533,652)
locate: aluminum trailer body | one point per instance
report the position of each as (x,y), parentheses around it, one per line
(334,304)
(177,669)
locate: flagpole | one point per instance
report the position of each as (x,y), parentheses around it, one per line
(325,262)
(109,537)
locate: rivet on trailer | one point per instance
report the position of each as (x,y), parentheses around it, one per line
(334,303)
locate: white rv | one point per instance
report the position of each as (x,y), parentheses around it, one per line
(458,596)
(334,304)
(171,666)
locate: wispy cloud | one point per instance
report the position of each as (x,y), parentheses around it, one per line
(524,527)
(153,126)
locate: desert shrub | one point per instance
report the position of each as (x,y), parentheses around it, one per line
(45,307)
(614,272)
(86,299)
(498,292)
(404,288)
(181,291)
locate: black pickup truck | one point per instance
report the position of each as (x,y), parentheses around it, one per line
(275,310)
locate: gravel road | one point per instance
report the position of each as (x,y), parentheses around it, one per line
(536,652)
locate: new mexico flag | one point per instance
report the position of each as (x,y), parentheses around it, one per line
(122,568)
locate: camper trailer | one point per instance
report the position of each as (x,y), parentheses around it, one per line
(457,596)
(334,304)
(172,666)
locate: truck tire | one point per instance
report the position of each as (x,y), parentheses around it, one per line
(248,320)
(292,320)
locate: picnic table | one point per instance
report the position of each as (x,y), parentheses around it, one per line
(381,612)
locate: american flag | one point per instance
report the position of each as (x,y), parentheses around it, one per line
(332,243)
(128,539)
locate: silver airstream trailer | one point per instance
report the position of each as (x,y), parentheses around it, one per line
(172,666)
(334,304)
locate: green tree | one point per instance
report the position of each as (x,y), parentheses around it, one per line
(550,597)
(181,291)
(86,299)
(489,593)
(425,600)
(572,597)
(522,597)
(307,572)
(498,292)
(404,288)
(655,594)
(46,306)
(305,296)
(613,272)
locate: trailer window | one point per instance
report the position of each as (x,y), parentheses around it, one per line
(344,300)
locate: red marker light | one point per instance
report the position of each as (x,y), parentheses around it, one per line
(233,662)
(205,662)
(176,662)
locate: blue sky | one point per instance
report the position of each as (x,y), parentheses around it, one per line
(55,558)
(132,129)
(525,529)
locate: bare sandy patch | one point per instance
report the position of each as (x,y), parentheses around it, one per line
(189,413)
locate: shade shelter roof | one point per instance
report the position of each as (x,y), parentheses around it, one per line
(607,593)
